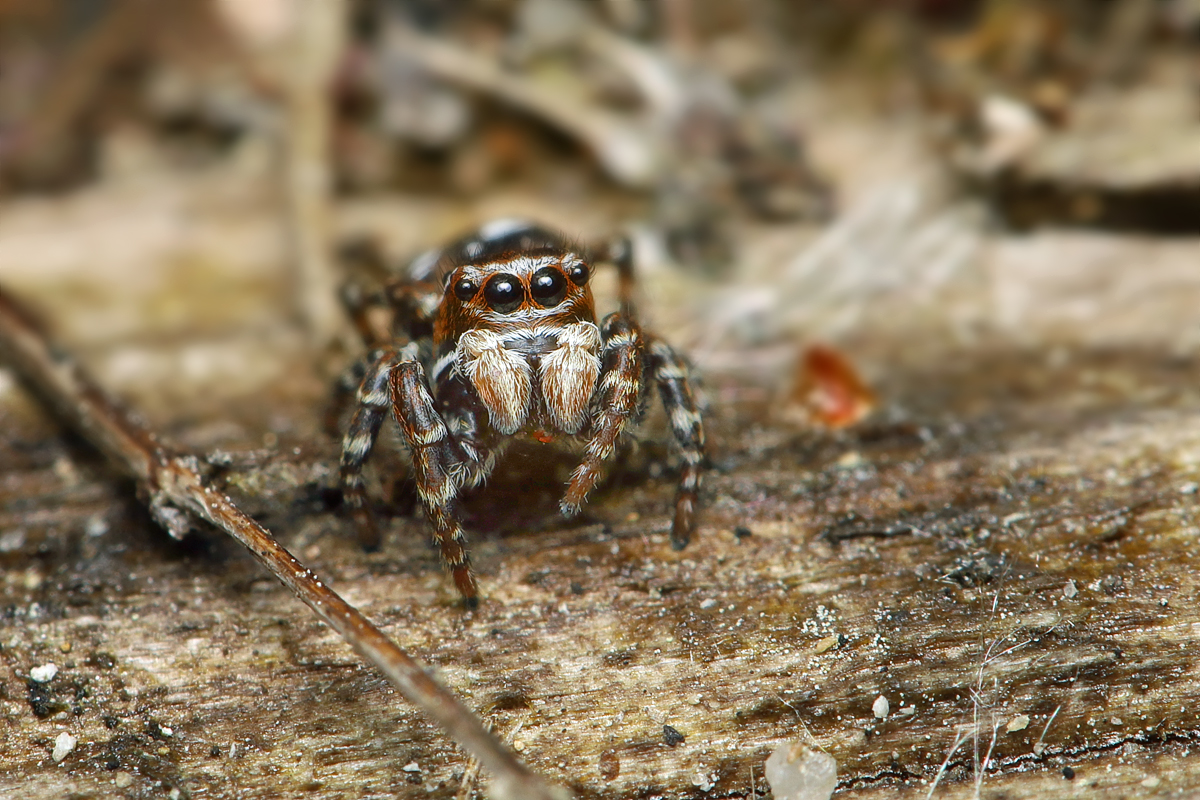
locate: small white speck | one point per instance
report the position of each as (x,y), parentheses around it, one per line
(411,766)
(63,745)
(174,794)
(96,526)
(707,604)
(1070,590)
(122,780)
(45,673)
(881,707)
(1189,488)
(167,731)
(1017,723)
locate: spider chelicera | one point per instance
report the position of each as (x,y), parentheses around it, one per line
(495,338)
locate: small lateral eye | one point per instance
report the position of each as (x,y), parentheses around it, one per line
(465,289)
(548,287)
(579,274)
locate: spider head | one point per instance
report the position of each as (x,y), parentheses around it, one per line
(536,287)
(523,286)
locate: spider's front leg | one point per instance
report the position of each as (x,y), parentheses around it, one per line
(397,380)
(618,395)
(439,466)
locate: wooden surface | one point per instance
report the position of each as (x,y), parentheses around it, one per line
(1012,536)
(1031,558)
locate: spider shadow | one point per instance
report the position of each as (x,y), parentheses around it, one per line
(522,495)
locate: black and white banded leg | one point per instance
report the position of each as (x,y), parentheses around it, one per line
(372,405)
(671,375)
(616,402)
(439,469)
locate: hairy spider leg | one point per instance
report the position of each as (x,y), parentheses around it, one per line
(412,306)
(619,253)
(439,468)
(616,402)
(671,375)
(442,461)
(373,404)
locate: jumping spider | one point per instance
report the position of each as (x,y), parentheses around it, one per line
(495,337)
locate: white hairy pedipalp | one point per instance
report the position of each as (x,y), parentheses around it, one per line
(502,378)
(569,375)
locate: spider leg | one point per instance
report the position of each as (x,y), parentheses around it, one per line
(372,407)
(617,401)
(671,375)
(414,306)
(438,464)
(619,252)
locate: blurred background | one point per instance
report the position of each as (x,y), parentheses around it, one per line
(790,170)
(190,177)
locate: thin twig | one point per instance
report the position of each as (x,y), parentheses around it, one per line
(176,491)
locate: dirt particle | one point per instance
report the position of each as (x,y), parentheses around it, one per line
(41,700)
(1018,723)
(1068,773)
(881,707)
(672,737)
(101,660)
(64,744)
(826,644)
(610,765)
(44,673)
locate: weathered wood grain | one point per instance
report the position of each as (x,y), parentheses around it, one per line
(1018,542)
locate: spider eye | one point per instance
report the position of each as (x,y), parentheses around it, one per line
(579,274)
(465,289)
(548,287)
(504,293)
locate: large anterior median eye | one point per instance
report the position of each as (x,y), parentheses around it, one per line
(548,287)
(504,293)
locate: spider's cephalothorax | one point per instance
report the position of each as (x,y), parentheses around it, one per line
(496,337)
